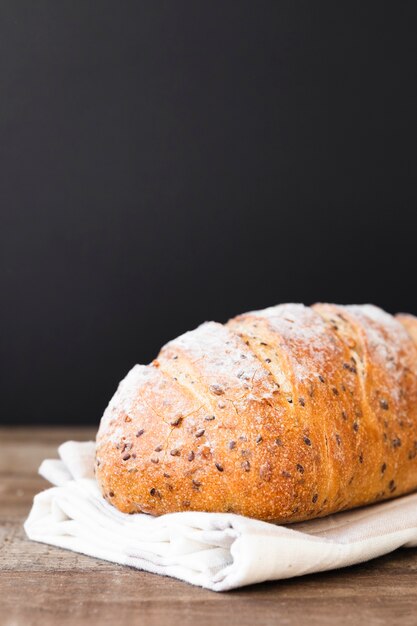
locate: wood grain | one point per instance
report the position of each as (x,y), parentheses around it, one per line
(40,584)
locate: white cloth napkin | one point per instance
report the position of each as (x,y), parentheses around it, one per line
(219,551)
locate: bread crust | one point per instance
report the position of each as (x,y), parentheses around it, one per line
(284,414)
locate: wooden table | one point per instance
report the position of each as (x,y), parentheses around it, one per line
(40,584)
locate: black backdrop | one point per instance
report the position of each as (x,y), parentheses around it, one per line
(164,163)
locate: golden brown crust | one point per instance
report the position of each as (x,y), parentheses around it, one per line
(410,324)
(284,414)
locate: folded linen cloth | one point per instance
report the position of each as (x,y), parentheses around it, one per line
(219,551)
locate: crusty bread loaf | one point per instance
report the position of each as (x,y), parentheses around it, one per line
(284,414)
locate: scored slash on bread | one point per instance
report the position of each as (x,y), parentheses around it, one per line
(283,414)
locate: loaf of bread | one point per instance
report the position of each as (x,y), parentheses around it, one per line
(284,414)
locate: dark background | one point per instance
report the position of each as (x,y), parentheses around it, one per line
(164,163)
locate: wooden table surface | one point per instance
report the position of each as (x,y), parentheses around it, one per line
(40,584)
